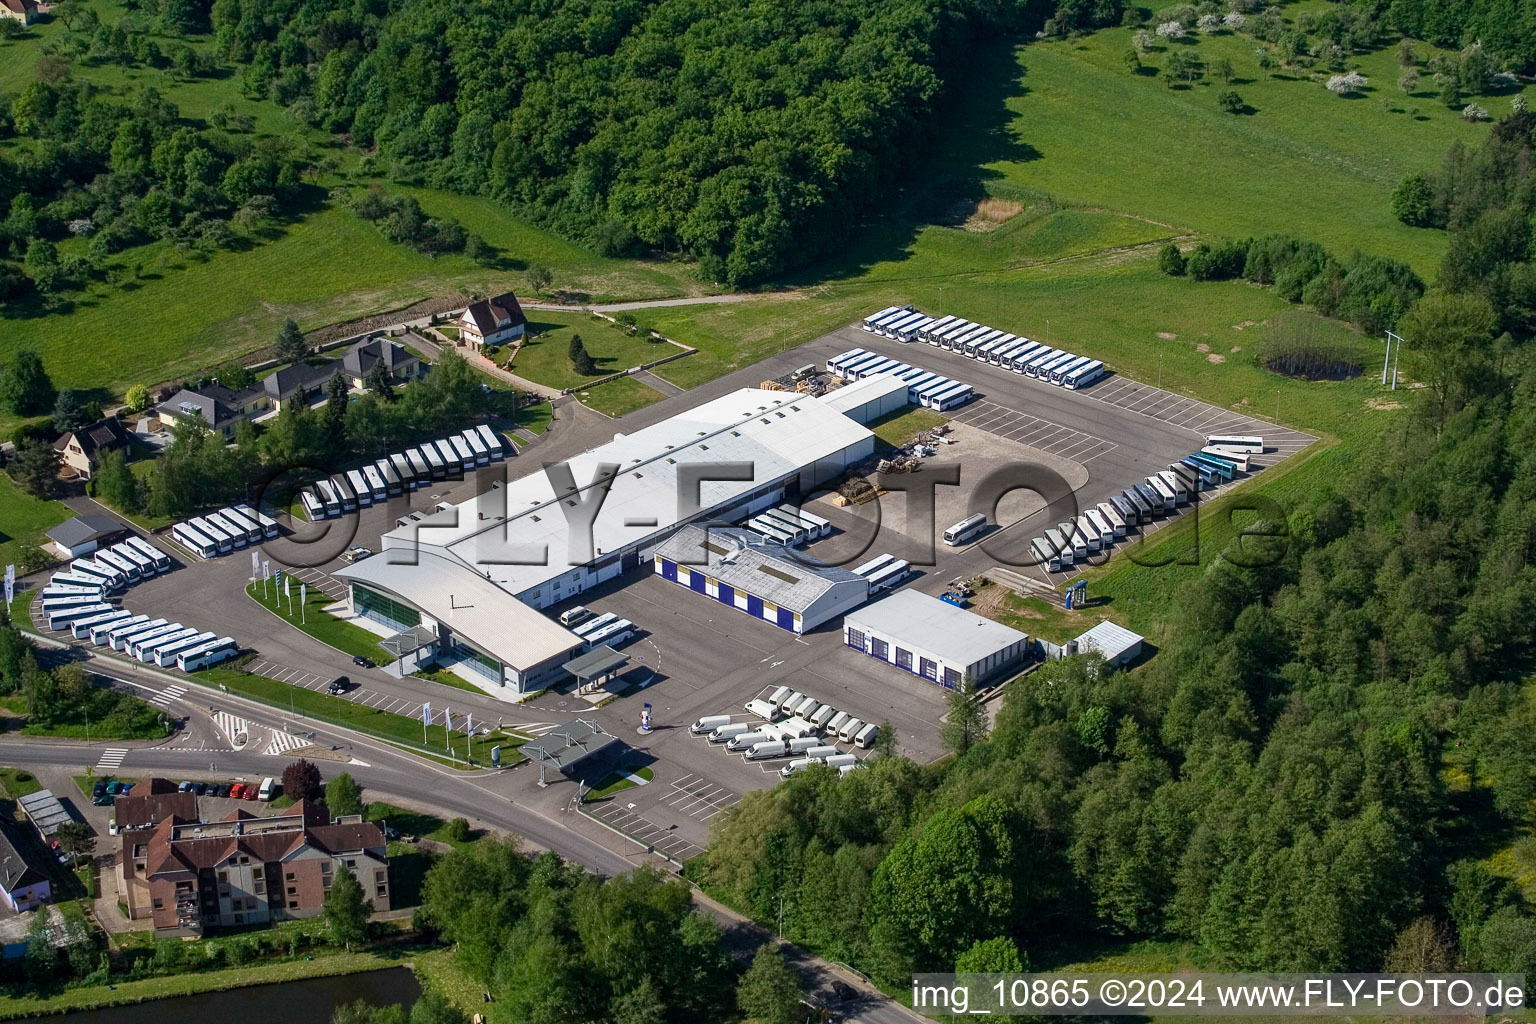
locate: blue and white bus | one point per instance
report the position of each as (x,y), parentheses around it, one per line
(889,575)
(613,634)
(142,562)
(472,438)
(128,568)
(421,464)
(896,325)
(210,653)
(1019,357)
(223,542)
(378,489)
(874,565)
(959,329)
(1003,354)
(1221,467)
(837,362)
(144,650)
(344,492)
(361,488)
(971,345)
(1040,358)
(965,530)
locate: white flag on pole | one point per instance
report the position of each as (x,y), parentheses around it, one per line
(266,570)
(469,724)
(10,583)
(426,713)
(303,592)
(287,588)
(255,562)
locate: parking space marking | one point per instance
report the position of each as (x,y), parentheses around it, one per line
(643,830)
(1034,431)
(111,758)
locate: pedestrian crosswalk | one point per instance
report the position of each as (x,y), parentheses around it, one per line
(111,759)
(165,696)
(537,728)
(285,741)
(231,726)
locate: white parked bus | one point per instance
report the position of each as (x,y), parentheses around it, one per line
(1165,490)
(378,490)
(392,481)
(214,532)
(58,618)
(1236,443)
(165,656)
(101,634)
(878,562)
(50,605)
(892,325)
(210,653)
(1039,359)
(108,576)
(849,369)
(149,636)
(493,444)
(73,579)
(965,530)
(900,313)
(1059,544)
(160,558)
(465,453)
(958,329)
(769,529)
(1002,355)
(890,575)
(426,467)
(234,531)
(973,344)
(314,508)
(975,333)
(1059,372)
(943,323)
(1113,517)
(911,330)
(1089,532)
(1044,555)
(1238,460)
(329,496)
(404,470)
(1020,357)
(472,438)
(837,362)
(592,625)
(1050,366)
(345,492)
(143,563)
(928,390)
(81,628)
(360,487)
(869,322)
(613,634)
(144,650)
(56,590)
(957,395)
(1083,375)
(122,634)
(127,568)
(246,518)
(984,352)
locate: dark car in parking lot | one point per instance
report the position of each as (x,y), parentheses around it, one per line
(362,662)
(101,794)
(340,685)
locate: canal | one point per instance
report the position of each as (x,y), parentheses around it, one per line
(291,1002)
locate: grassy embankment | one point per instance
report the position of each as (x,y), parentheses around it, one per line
(545,359)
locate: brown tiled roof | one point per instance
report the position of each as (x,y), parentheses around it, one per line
(363,835)
(488,312)
(101,435)
(152,787)
(193,853)
(20,6)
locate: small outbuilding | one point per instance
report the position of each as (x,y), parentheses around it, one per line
(934,639)
(1116,644)
(23,884)
(867,400)
(81,535)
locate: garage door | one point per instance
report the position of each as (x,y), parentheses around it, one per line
(754,605)
(697,581)
(727,594)
(669,570)
(786,619)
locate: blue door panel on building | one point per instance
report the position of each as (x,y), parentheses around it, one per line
(786,619)
(754,606)
(727,594)
(696,581)
(669,570)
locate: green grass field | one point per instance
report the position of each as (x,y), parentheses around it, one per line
(899,428)
(546,359)
(621,396)
(25,519)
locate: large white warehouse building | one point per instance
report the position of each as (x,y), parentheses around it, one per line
(934,639)
(474,574)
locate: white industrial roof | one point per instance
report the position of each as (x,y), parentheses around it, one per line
(776,432)
(861,392)
(468,603)
(755,565)
(957,636)
(1109,640)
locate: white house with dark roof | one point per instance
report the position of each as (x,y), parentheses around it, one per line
(493,321)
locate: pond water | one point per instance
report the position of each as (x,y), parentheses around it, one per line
(291,1002)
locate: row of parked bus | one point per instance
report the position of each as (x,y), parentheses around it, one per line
(402,472)
(988,344)
(151,641)
(789,525)
(788,723)
(930,390)
(597,631)
(1160,494)
(105,572)
(219,533)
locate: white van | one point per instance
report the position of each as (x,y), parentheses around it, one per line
(850,729)
(762,709)
(797,726)
(725,732)
(767,749)
(744,740)
(823,715)
(837,722)
(866,736)
(709,723)
(571,616)
(801,744)
(776,697)
(822,752)
(839,760)
(795,765)
(792,701)
(808,707)
(268,789)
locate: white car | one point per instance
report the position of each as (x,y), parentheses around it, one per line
(112,826)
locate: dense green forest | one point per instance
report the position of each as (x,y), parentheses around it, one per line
(749,137)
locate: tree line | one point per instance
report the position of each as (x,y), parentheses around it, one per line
(750,137)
